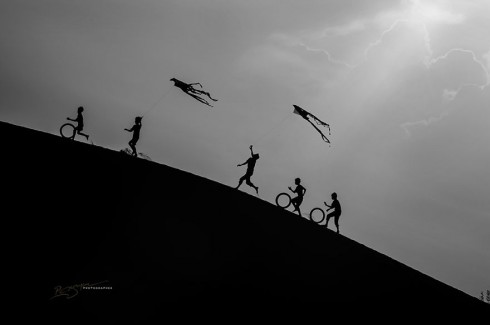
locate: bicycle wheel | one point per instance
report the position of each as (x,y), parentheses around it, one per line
(317,215)
(67,128)
(283,200)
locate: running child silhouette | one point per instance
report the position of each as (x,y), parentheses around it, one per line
(250,170)
(300,191)
(79,128)
(337,211)
(136,134)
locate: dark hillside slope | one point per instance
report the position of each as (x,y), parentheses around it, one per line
(88,214)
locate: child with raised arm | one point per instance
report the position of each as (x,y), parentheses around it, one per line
(250,170)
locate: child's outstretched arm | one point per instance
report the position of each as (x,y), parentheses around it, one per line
(329,207)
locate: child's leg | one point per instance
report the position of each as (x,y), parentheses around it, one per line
(249,183)
(133,147)
(296,205)
(337,222)
(241,181)
(328,219)
(85,135)
(293,202)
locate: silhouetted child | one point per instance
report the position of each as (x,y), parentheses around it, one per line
(191,91)
(250,170)
(337,211)
(136,134)
(79,128)
(300,191)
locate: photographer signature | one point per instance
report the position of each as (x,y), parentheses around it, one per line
(72,291)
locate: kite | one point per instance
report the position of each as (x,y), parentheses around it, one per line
(193,92)
(304,114)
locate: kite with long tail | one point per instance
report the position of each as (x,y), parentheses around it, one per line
(306,115)
(193,92)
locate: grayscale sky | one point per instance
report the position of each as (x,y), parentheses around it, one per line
(403,84)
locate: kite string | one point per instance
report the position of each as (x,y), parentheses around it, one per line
(158,101)
(268,132)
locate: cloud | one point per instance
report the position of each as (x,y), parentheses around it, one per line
(293,64)
(486,56)
(450,73)
(463,63)
(408,127)
(308,52)
(432,11)
(344,30)
(345,41)
(455,150)
(403,37)
(413,87)
(407,42)
(449,95)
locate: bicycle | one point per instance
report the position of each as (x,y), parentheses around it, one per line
(283,200)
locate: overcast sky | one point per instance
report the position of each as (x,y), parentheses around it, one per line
(403,84)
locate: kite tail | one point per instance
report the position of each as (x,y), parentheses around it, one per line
(319,122)
(325,139)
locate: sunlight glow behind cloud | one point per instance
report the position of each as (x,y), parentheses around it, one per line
(428,11)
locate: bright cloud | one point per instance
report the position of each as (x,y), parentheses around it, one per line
(486,56)
(430,11)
